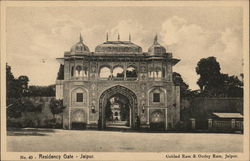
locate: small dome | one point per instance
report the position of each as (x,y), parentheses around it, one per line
(79,47)
(156,48)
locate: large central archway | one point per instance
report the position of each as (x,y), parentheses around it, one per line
(117,90)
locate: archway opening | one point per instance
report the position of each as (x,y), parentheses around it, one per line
(117,111)
(118,108)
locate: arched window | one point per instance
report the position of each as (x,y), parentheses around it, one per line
(151,72)
(118,72)
(156,95)
(78,97)
(105,72)
(158,73)
(85,71)
(131,72)
(78,71)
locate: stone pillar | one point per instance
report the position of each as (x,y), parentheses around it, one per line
(233,123)
(69,118)
(111,73)
(210,123)
(166,117)
(192,123)
(125,73)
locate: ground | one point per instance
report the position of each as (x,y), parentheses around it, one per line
(55,140)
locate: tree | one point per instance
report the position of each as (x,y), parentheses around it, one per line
(213,83)
(10,83)
(56,107)
(232,86)
(184,87)
(22,83)
(44,91)
(14,108)
(16,88)
(209,71)
(60,74)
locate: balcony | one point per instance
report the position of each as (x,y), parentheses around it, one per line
(120,78)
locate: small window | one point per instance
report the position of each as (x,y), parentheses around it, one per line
(79,97)
(156,97)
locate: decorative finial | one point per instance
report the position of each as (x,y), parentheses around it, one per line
(129,37)
(155,40)
(81,38)
(107,37)
(118,37)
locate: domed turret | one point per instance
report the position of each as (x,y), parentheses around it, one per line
(156,48)
(79,47)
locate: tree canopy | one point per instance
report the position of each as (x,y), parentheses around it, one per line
(213,83)
(41,91)
(19,87)
(209,71)
(15,87)
(60,74)
(56,106)
(184,87)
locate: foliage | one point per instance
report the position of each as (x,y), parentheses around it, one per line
(17,107)
(29,106)
(23,84)
(16,88)
(178,81)
(184,88)
(232,86)
(213,83)
(14,108)
(56,106)
(209,71)
(44,91)
(10,81)
(60,74)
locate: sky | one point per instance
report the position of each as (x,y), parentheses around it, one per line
(36,36)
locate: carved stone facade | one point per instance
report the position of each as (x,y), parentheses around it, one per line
(144,78)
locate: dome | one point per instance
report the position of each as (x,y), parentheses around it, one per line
(118,47)
(79,47)
(115,47)
(156,48)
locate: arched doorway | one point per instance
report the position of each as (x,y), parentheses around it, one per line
(124,109)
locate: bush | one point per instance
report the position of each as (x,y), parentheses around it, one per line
(14,108)
(13,123)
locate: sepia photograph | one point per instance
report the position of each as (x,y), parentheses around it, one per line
(87,80)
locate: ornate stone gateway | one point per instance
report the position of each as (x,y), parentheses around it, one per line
(113,91)
(118,85)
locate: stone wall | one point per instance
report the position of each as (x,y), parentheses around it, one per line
(201,108)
